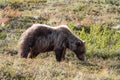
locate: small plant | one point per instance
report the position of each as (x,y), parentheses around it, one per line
(101,40)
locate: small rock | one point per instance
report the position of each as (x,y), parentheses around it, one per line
(116,27)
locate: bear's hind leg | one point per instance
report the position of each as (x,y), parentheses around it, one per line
(23,52)
(33,54)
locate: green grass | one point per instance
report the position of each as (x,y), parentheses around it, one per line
(91,20)
(101,40)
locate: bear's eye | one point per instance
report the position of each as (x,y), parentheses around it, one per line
(82,51)
(78,43)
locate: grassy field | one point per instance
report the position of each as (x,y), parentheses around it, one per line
(94,21)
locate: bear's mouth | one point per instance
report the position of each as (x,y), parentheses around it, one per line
(81,57)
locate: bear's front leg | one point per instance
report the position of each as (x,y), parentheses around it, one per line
(63,54)
(58,54)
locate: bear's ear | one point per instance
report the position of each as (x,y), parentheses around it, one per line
(84,42)
(80,43)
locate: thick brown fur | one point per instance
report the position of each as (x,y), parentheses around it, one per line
(43,38)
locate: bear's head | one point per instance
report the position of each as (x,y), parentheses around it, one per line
(80,50)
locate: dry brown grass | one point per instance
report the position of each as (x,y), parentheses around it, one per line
(12,67)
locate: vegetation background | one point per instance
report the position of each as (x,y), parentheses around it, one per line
(95,21)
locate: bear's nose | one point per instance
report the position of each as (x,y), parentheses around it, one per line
(82,58)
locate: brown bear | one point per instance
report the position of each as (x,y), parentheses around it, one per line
(43,38)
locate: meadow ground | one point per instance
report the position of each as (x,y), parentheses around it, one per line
(91,20)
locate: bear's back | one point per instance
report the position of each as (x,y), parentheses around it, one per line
(45,29)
